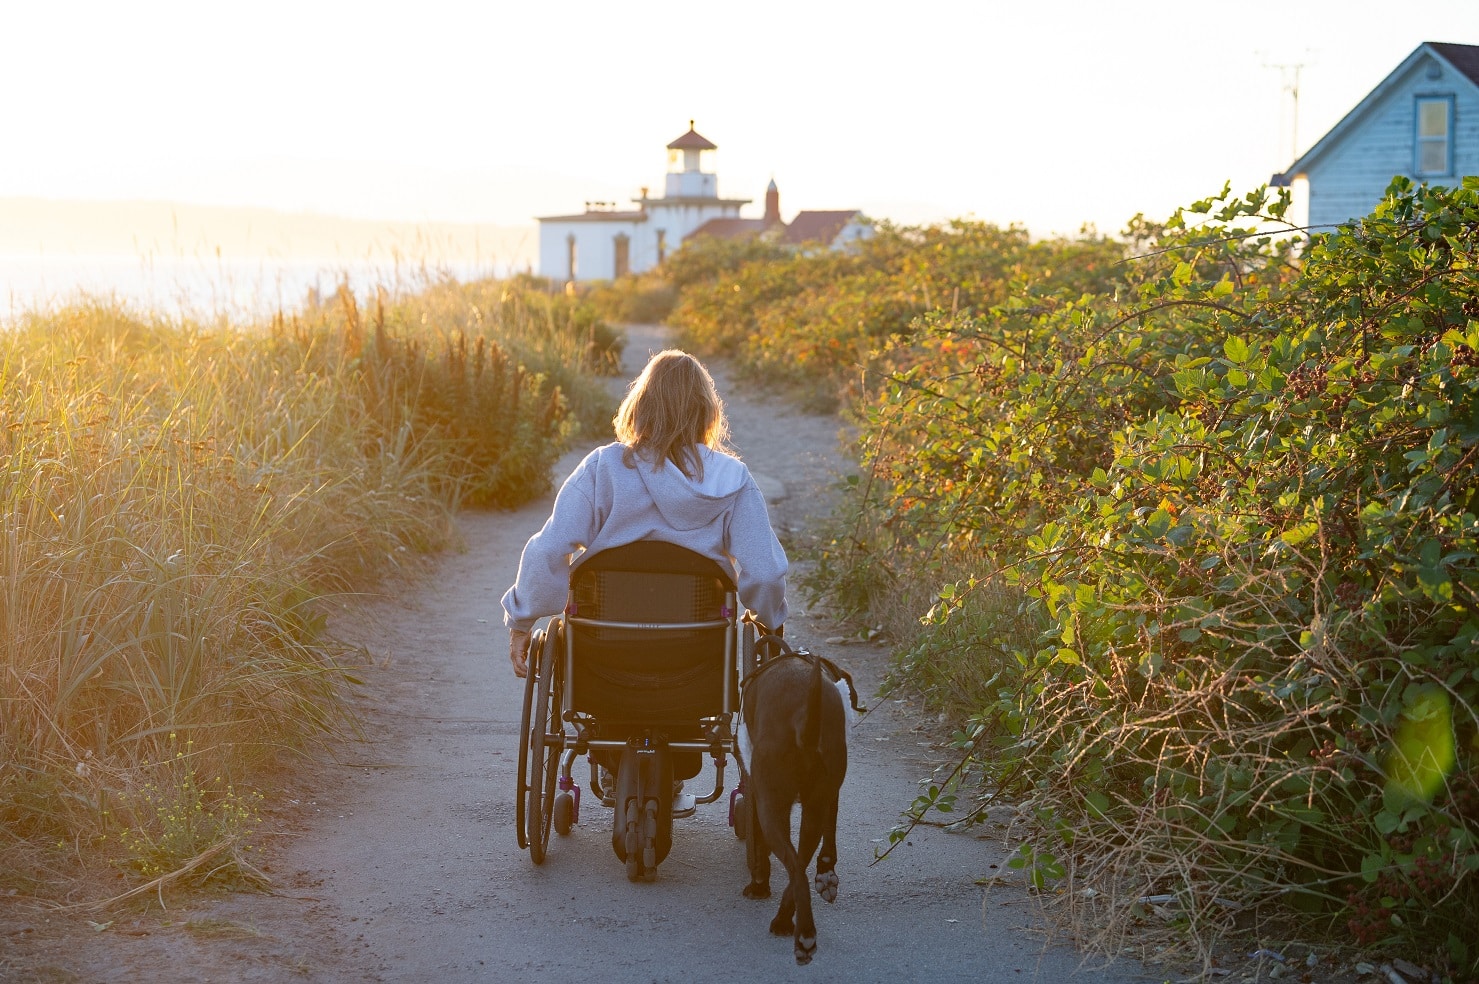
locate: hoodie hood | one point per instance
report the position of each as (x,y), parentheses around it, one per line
(691,504)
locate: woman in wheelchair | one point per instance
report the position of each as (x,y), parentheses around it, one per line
(670,479)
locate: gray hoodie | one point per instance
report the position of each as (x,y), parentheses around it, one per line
(605,504)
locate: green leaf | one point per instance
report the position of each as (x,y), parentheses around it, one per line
(1236,350)
(1298,534)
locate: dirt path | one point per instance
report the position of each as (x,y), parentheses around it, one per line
(403,863)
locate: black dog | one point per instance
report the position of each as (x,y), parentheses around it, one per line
(793,747)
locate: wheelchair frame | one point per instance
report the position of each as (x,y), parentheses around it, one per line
(553,733)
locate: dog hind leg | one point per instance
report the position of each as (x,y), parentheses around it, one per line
(814,830)
(797,900)
(826,880)
(794,915)
(773,820)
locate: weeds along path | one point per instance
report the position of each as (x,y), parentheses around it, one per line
(399,861)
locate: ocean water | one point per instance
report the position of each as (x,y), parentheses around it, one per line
(240,289)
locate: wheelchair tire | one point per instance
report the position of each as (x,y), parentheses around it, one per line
(544,749)
(564,813)
(632,823)
(741,818)
(649,835)
(536,645)
(752,849)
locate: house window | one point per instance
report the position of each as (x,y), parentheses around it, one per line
(570,256)
(662,245)
(1434,135)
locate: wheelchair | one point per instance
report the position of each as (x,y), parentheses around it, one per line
(641,675)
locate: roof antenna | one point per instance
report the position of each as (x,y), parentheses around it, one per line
(1289,77)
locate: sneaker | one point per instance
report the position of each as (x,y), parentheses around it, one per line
(684,804)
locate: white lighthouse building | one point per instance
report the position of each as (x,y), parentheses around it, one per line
(604,242)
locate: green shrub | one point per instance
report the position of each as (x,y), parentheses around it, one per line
(1243,496)
(817,319)
(1195,515)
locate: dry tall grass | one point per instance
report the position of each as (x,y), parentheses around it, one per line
(175,503)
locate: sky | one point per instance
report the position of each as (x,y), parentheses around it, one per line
(1047,113)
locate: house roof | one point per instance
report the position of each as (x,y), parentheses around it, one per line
(692,141)
(819,227)
(596,216)
(727,228)
(1464,58)
(678,201)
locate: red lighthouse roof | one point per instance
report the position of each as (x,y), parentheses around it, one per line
(692,141)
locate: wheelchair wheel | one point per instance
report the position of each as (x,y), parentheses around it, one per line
(564,813)
(531,683)
(741,818)
(752,849)
(543,765)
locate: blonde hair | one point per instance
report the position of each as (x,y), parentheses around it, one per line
(669,410)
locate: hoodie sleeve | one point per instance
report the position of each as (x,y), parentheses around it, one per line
(543,581)
(759,561)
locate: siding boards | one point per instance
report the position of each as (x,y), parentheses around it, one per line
(1347,179)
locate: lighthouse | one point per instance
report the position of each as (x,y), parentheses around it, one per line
(605,242)
(686,175)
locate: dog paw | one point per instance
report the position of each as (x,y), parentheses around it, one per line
(827,882)
(783,927)
(760,890)
(806,948)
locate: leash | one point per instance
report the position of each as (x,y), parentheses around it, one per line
(771,640)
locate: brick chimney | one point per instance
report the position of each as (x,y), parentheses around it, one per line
(772,205)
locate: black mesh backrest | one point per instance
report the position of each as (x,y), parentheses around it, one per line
(632,679)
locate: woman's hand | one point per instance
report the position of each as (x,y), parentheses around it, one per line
(518,652)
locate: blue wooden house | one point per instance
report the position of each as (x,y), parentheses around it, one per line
(1422,121)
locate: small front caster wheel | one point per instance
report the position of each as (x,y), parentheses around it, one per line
(564,813)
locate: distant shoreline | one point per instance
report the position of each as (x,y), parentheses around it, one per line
(235,288)
(45,227)
(202,260)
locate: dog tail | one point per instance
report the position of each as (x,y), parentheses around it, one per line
(811,732)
